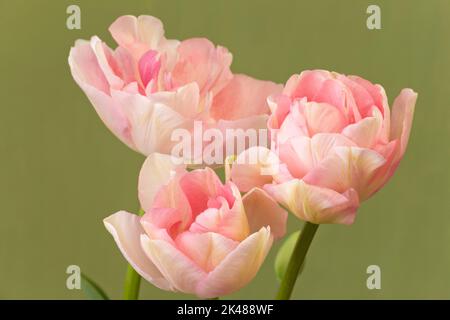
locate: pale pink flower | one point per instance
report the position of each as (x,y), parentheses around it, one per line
(335,143)
(149,85)
(198,235)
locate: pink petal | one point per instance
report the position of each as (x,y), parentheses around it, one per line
(307,84)
(149,66)
(201,185)
(316,204)
(238,268)
(366,132)
(180,271)
(155,173)
(333,92)
(376,92)
(230,221)
(347,168)
(402,117)
(106,63)
(90,77)
(297,155)
(323,118)
(152,123)
(303,154)
(201,62)
(254,168)
(279,106)
(263,211)
(243,97)
(137,35)
(207,250)
(126,231)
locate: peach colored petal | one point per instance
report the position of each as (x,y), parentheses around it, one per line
(333,92)
(316,204)
(366,132)
(230,222)
(155,173)
(201,62)
(139,34)
(323,118)
(303,154)
(151,123)
(263,211)
(126,231)
(347,168)
(207,250)
(238,268)
(307,84)
(254,167)
(200,185)
(180,271)
(402,117)
(91,79)
(185,100)
(243,97)
(253,131)
(297,154)
(106,62)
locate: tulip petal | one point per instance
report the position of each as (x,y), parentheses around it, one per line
(323,118)
(137,34)
(180,271)
(238,268)
(207,250)
(155,173)
(152,123)
(333,92)
(347,168)
(316,204)
(307,84)
(90,77)
(402,117)
(106,62)
(254,167)
(126,231)
(366,132)
(243,97)
(202,184)
(201,62)
(263,211)
(224,218)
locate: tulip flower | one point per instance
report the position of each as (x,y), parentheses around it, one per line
(149,86)
(335,143)
(197,235)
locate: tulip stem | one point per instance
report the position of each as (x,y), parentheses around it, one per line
(132,284)
(132,279)
(295,262)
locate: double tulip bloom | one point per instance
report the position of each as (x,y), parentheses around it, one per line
(335,142)
(197,235)
(149,86)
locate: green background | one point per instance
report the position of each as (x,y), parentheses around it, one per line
(62,171)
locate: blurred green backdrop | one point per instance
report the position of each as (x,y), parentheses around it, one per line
(62,171)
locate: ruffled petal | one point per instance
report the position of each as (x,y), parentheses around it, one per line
(238,268)
(263,211)
(126,231)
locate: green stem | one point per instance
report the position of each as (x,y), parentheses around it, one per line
(132,284)
(296,260)
(132,279)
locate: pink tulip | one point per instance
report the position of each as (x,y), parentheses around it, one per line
(198,235)
(150,85)
(335,143)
